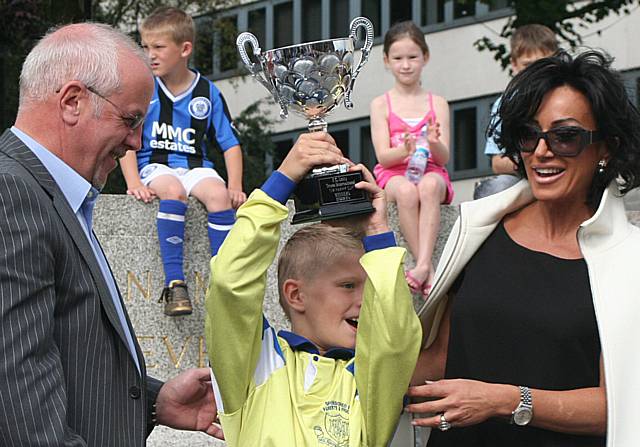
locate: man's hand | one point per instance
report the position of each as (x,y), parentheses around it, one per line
(376,222)
(186,402)
(142,192)
(237,197)
(311,149)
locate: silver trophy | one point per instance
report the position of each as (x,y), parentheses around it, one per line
(311,79)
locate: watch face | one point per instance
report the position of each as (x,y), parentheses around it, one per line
(522,416)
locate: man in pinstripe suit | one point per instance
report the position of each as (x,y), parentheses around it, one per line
(71,371)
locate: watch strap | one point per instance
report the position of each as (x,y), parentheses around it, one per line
(525,404)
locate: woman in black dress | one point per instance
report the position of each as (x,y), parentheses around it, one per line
(537,286)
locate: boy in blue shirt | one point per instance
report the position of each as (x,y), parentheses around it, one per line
(174,163)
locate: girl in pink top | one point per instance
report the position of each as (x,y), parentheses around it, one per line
(397,117)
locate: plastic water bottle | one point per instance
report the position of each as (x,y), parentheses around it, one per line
(418,162)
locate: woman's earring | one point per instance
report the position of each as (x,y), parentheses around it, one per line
(601,165)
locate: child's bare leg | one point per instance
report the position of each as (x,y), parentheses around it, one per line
(405,195)
(212,193)
(432,191)
(214,196)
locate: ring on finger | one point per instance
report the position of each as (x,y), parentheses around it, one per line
(444,425)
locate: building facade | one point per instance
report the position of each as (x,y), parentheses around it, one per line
(469,79)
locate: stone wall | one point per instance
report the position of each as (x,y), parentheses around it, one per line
(127,231)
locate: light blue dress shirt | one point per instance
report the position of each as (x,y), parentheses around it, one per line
(81,197)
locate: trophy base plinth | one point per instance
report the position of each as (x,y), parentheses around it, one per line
(330,193)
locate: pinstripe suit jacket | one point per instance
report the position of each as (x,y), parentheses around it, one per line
(66,375)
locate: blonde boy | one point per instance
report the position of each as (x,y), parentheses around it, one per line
(528,44)
(308,387)
(186,112)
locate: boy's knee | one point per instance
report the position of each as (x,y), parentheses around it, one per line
(174,192)
(216,199)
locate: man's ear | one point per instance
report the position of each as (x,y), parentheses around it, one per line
(293,295)
(187,48)
(72,99)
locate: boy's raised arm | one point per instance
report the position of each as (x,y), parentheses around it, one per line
(389,332)
(234,321)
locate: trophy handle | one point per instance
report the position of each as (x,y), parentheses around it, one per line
(256,69)
(359,22)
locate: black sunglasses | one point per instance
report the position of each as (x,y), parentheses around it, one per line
(567,141)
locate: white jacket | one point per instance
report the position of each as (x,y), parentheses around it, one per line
(611,248)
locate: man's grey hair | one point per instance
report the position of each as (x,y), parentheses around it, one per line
(85,52)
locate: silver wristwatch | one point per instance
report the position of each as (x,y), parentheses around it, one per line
(523,413)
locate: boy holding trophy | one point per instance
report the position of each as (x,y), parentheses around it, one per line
(340,376)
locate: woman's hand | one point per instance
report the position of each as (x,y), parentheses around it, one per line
(463,402)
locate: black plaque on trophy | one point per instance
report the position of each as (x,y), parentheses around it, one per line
(330,195)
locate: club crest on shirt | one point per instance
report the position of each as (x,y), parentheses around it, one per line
(147,170)
(200,107)
(335,430)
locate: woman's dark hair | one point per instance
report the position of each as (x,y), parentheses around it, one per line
(616,117)
(408,29)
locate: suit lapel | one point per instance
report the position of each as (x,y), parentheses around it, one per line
(13,147)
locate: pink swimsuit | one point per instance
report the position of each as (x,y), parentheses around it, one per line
(397,129)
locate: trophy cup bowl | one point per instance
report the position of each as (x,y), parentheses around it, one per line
(311,79)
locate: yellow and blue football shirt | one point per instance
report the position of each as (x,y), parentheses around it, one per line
(275,389)
(176,127)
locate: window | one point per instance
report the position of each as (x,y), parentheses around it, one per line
(372,9)
(400,11)
(631,81)
(226,32)
(465,136)
(469,121)
(283,24)
(311,20)
(463,8)
(281,150)
(340,18)
(280,23)
(203,47)
(258,24)
(440,10)
(342,140)
(495,5)
(368,153)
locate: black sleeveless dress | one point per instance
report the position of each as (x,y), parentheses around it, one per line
(524,318)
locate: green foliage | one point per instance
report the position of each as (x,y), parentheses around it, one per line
(128,14)
(21,22)
(566,18)
(253,125)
